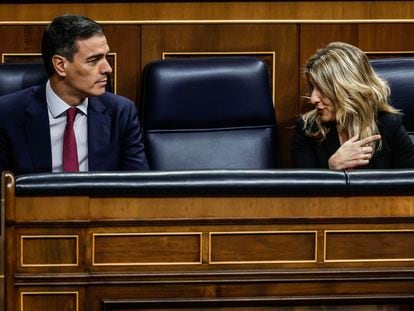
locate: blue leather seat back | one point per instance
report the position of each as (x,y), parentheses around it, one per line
(18,76)
(399,72)
(209,113)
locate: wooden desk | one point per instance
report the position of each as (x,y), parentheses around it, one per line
(137,252)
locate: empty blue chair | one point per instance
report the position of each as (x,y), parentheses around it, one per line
(208,113)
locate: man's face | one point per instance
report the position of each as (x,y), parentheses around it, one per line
(86,73)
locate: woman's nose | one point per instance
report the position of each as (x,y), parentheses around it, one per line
(315,97)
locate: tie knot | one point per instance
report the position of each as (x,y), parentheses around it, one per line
(71,114)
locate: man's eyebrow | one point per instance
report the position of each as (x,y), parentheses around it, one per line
(96,56)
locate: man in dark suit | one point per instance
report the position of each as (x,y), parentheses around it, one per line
(104,132)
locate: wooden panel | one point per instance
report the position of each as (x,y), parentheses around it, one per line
(142,242)
(264,293)
(21,38)
(146,248)
(251,207)
(41,301)
(261,247)
(386,37)
(348,246)
(48,208)
(125,58)
(52,250)
(125,41)
(280,39)
(211,10)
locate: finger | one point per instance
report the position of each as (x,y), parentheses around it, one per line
(369,139)
(367,149)
(353,139)
(355,163)
(365,156)
(360,162)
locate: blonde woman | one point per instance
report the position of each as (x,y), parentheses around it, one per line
(352,124)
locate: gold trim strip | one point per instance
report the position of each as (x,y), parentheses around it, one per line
(362,260)
(229,21)
(217,53)
(22,264)
(76,293)
(3,55)
(271,53)
(146,234)
(388,52)
(115,72)
(315,232)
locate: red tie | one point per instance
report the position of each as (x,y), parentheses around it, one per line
(70,151)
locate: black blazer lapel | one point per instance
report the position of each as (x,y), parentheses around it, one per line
(36,126)
(99,134)
(332,141)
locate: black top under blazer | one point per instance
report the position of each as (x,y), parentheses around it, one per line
(397,148)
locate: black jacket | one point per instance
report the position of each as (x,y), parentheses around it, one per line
(397,148)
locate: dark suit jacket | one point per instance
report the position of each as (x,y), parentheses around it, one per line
(114,133)
(397,148)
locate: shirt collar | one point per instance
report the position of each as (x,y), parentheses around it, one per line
(57,106)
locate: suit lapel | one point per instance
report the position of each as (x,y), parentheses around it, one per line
(99,129)
(36,126)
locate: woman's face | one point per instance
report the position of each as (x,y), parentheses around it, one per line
(323,105)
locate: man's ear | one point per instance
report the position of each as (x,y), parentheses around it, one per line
(59,63)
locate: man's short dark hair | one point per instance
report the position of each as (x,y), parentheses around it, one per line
(61,34)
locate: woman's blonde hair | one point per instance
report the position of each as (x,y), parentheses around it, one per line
(343,74)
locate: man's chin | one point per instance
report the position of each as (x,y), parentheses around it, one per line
(98,91)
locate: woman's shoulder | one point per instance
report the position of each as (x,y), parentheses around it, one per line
(388,120)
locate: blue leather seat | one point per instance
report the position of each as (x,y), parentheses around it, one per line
(18,76)
(208,113)
(399,72)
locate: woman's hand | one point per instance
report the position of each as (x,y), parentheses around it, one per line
(353,153)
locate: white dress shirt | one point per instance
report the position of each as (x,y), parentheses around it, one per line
(57,120)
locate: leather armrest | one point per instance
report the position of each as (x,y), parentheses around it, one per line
(381,182)
(186,183)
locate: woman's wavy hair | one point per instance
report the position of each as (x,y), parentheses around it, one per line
(343,74)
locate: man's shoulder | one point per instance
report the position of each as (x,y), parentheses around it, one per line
(21,93)
(112,99)
(19,100)
(110,102)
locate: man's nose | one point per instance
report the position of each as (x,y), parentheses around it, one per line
(106,67)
